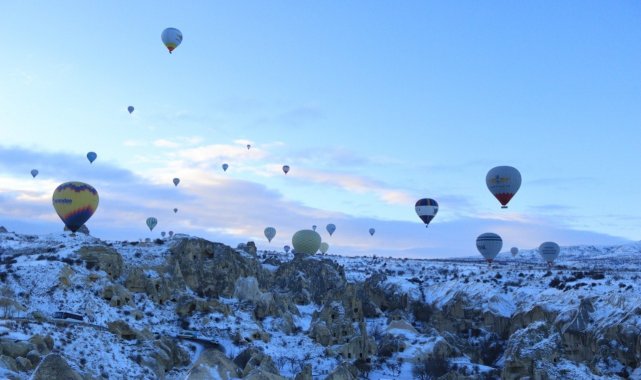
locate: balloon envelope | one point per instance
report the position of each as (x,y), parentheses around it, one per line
(286,169)
(171,233)
(306,241)
(151,223)
(130,109)
(34,173)
(175,210)
(503,182)
(324,247)
(91,156)
(270,232)
(549,251)
(514,251)
(163,234)
(225,166)
(171,37)
(176,181)
(75,203)
(248,146)
(426,209)
(286,249)
(372,231)
(330,228)
(489,244)
(314,227)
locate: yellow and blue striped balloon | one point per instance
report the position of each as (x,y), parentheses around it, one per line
(75,203)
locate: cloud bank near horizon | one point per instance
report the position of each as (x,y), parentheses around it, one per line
(225,208)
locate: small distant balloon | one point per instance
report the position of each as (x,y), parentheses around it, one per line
(286,249)
(330,228)
(91,156)
(270,232)
(248,146)
(372,231)
(163,234)
(151,223)
(514,251)
(286,169)
(176,181)
(75,203)
(170,233)
(314,227)
(324,247)
(171,37)
(130,109)
(225,166)
(175,210)
(34,173)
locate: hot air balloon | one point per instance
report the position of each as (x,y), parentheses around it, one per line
(503,182)
(248,146)
(151,223)
(306,242)
(175,210)
(286,168)
(163,234)
(372,231)
(270,232)
(91,156)
(34,173)
(426,209)
(170,233)
(324,247)
(130,109)
(514,251)
(171,37)
(330,228)
(225,166)
(489,244)
(176,181)
(75,203)
(549,251)
(286,249)
(314,227)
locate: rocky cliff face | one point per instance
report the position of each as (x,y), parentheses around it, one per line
(189,308)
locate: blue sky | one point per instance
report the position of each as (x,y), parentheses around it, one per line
(372,104)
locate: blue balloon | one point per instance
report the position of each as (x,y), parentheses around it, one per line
(91,156)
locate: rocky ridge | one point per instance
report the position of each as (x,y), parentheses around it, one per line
(184,307)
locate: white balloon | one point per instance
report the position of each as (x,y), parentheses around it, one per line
(489,244)
(503,182)
(549,251)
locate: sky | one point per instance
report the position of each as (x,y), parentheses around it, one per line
(372,104)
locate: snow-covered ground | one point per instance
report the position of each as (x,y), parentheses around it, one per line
(31,268)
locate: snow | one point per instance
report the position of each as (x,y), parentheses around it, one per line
(607,276)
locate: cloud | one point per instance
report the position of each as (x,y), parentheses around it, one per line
(300,115)
(178,142)
(562,181)
(222,208)
(214,154)
(355,184)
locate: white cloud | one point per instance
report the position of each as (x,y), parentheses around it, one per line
(221,208)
